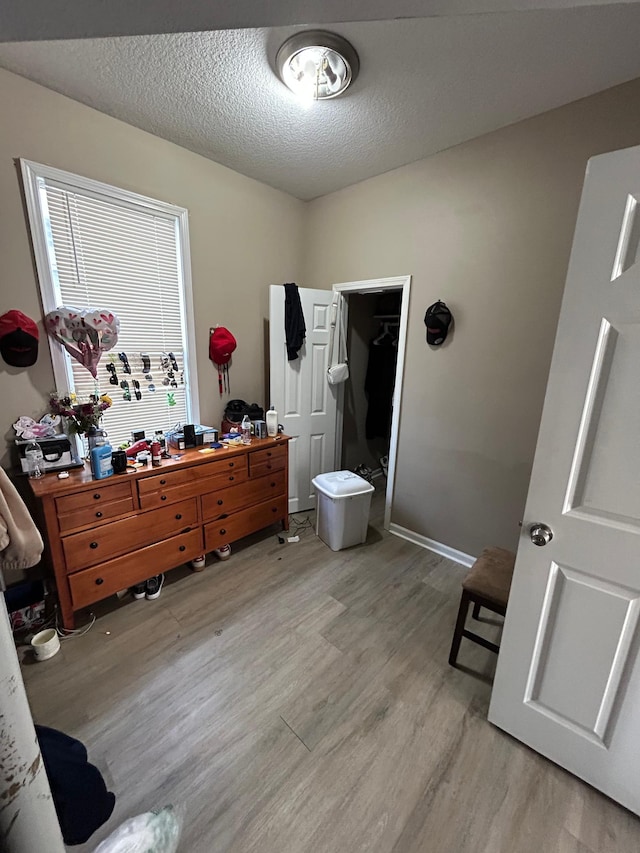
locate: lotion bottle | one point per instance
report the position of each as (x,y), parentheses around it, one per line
(101,461)
(272,422)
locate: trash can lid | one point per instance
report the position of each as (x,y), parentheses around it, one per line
(342,484)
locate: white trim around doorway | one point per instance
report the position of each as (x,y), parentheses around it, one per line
(379,285)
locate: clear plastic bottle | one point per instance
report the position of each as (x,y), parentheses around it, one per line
(34,459)
(245,430)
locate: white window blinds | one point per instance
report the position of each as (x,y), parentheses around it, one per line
(108,252)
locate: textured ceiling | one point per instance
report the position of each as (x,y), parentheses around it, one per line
(424,85)
(60,19)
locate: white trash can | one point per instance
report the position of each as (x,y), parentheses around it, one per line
(342,508)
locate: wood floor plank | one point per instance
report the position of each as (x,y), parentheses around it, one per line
(299,700)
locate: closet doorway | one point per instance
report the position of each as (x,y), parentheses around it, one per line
(368,411)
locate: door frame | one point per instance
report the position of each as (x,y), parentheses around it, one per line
(380,285)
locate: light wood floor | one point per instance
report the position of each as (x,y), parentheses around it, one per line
(296,700)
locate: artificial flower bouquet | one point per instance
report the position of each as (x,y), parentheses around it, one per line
(81,416)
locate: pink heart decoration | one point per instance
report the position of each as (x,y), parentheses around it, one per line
(85,334)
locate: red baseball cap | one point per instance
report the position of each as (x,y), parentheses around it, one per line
(18,339)
(221,345)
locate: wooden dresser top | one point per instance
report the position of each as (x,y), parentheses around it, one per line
(81,478)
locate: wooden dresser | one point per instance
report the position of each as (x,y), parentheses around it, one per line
(106,535)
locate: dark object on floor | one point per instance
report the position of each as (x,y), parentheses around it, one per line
(487,585)
(79,793)
(294,325)
(23,594)
(153,587)
(364,471)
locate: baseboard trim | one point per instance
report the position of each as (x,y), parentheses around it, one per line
(431,545)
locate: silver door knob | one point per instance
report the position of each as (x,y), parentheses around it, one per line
(541,534)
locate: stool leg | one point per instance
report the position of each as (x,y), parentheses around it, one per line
(476,611)
(457,634)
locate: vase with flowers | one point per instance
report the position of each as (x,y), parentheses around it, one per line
(82,417)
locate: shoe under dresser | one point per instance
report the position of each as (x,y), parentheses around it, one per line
(106,535)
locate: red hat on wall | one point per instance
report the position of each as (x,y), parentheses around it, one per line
(18,339)
(221,345)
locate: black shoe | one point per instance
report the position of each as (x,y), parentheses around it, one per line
(154,587)
(139,590)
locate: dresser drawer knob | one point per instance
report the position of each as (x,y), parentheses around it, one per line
(269,465)
(183,547)
(93,545)
(268,453)
(232,464)
(178,515)
(273,485)
(96,497)
(98,515)
(99,581)
(274,509)
(163,482)
(220,502)
(163,497)
(232,478)
(222,531)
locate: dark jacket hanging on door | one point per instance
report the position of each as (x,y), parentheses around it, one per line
(378,385)
(294,327)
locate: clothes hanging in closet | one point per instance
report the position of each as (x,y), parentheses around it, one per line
(378,385)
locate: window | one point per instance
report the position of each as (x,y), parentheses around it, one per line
(97,246)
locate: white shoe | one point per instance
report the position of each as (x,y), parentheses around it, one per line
(223,552)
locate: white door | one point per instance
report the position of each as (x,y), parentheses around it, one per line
(568,677)
(305,402)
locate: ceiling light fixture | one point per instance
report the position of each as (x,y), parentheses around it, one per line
(317,65)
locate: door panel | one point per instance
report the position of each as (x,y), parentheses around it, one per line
(567,647)
(568,676)
(304,400)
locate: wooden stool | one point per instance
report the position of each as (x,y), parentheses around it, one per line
(487,585)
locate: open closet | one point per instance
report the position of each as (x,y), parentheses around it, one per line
(372,343)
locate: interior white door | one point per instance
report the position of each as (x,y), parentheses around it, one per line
(568,677)
(305,402)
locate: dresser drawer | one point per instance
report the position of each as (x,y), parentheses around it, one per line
(167,495)
(240,524)
(93,497)
(227,500)
(95,515)
(262,462)
(171,479)
(101,581)
(95,546)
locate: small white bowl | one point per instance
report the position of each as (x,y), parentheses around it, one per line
(45,644)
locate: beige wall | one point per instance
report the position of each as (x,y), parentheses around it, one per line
(486,226)
(244,235)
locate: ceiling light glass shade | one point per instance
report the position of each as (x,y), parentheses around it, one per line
(317,65)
